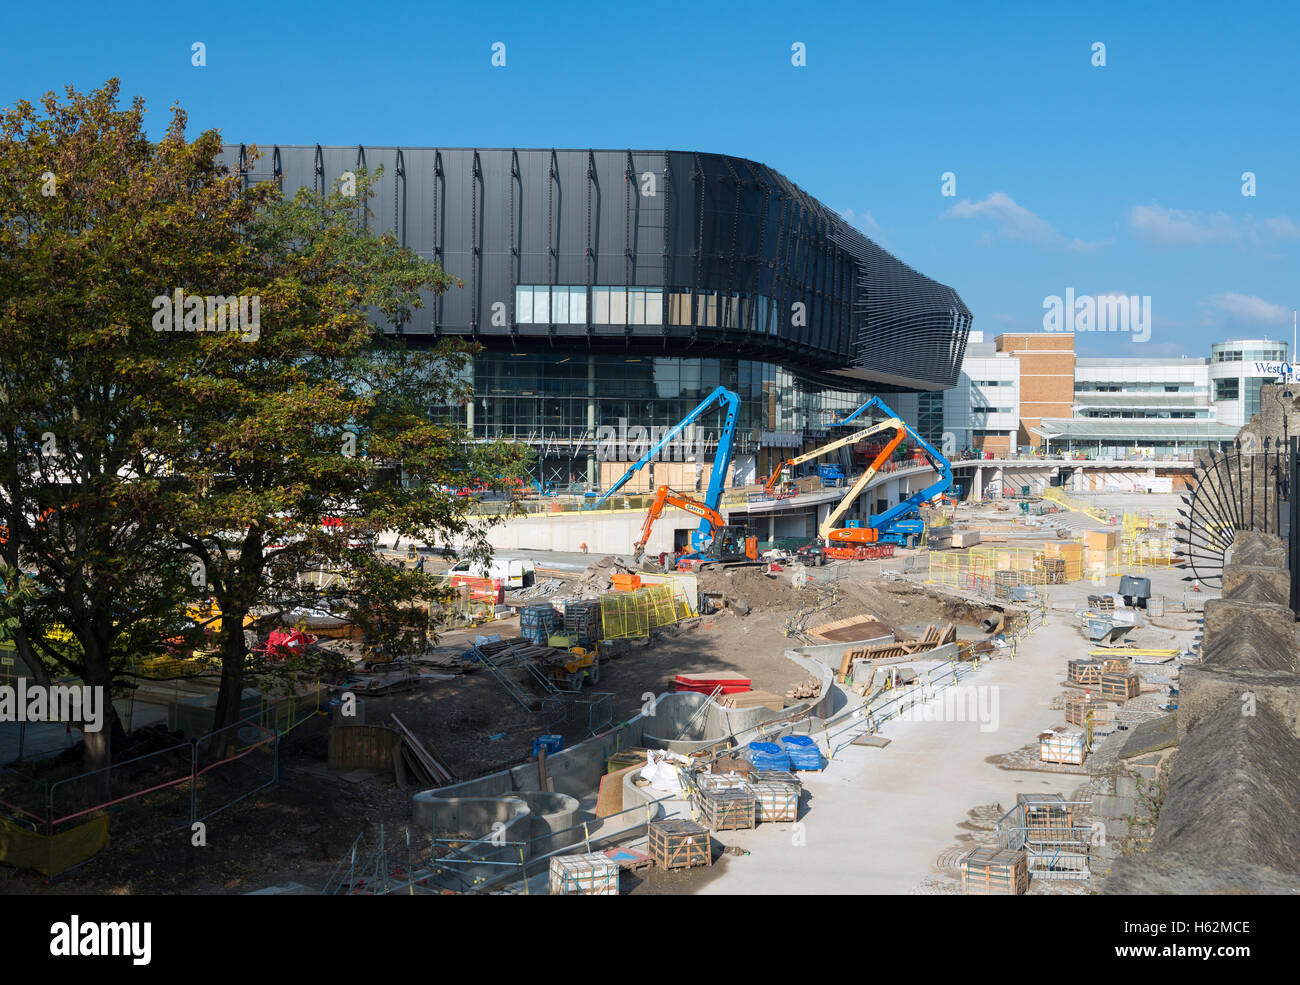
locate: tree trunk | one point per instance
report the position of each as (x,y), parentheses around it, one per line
(231,691)
(97,747)
(240,584)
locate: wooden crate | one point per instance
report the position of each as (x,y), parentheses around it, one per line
(1062,745)
(778,776)
(1085,672)
(679,844)
(1121,687)
(995,872)
(1048,819)
(728,809)
(1077,707)
(775,801)
(584,875)
(1116,665)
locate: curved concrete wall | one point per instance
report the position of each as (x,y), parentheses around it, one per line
(667,727)
(541,819)
(555,816)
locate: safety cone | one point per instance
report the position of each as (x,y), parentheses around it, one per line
(1196,584)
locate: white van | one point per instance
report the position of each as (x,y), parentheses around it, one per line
(512,572)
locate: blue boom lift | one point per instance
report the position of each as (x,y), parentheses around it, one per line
(721,397)
(898,525)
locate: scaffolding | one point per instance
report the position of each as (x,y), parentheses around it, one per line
(624,615)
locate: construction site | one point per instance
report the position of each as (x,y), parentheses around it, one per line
(999,687)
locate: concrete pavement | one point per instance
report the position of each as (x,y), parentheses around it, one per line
(876,819)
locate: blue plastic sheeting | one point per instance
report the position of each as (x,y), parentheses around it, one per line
(802,752)
(768,756)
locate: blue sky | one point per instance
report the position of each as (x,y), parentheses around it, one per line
(1122,179)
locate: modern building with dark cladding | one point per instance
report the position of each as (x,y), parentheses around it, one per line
(671,266)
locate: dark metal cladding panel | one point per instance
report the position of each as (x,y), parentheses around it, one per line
(838,303)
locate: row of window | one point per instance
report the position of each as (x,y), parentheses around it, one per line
(1134,387)
(567,305)
(1163,415)
(1249,355)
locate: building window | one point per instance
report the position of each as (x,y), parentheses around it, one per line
(706,309)
(1227,390)
(645,306)
(536,305)
(679,307)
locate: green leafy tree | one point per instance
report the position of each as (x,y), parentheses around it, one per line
(301,445)
(95,221)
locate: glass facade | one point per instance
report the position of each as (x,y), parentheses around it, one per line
(557,402)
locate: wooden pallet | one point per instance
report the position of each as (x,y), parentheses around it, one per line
(679,844)
(995,872)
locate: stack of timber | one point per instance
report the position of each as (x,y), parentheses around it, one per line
(933,638)
(753,699)
(810,688)
(421,759)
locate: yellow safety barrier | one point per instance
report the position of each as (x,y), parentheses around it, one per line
(51,854)
(624,615)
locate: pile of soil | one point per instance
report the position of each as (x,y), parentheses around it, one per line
(751,586)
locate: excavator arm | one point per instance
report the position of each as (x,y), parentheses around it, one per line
(665,497)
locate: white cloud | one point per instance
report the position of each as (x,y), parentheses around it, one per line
(1014,221)
(1179,227)
(1248,309)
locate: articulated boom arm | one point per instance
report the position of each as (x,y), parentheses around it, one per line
(855,490)
(666,497)
(721,459)
(818,452)
(883,521)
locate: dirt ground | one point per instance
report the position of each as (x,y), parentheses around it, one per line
(299,830)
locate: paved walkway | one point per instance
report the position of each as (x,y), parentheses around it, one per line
(876,819)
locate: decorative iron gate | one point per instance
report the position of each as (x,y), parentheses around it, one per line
(1246,488)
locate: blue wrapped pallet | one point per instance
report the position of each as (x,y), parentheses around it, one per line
(802,752)
(551,743)
(538,622)
(768,756)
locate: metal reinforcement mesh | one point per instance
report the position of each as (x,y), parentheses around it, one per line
(635,613)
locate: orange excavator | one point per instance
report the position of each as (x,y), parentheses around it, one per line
(730,546)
